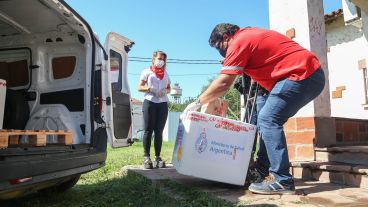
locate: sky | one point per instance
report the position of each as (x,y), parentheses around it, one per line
(179,28)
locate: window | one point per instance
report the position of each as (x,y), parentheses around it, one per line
(115,69)
(14,67)
(365,75)
(63,67)
(15,73)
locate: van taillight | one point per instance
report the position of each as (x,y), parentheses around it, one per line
(20,180)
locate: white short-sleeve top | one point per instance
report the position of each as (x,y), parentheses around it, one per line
(156,84)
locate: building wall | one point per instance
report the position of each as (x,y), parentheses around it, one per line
(351,131)
(137,119)
(170,130)
(303,21)
(337,116)
(305,17)
(171,127)
(346,46)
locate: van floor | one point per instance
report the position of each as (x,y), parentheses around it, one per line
(49,149)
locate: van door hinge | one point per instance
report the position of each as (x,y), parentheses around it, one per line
(103,125)
(107,100)
(97,101)
(99,66)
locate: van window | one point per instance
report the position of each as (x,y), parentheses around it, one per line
(63,67)
(115,70)
(15,73)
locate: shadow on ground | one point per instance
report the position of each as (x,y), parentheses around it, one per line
(129,190)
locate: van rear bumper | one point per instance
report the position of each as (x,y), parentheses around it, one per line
(41,168)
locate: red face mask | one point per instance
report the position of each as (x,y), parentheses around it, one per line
(159,72)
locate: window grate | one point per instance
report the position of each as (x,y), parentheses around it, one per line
(365,75)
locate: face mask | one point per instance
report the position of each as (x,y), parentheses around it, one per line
(223,52)
(159,63)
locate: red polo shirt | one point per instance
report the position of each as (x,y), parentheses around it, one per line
(268,56)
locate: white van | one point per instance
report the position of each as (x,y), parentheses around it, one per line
(59,77)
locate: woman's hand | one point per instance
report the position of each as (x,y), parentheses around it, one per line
(162,93)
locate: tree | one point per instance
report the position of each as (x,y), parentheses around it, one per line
(233,97)
(179,107)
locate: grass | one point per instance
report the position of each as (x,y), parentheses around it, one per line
(110,186)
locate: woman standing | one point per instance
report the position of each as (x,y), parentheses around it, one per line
(155,83)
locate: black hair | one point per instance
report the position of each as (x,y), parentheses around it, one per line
(219,31)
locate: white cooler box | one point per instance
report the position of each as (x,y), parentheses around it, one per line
(2,101)
(213,148)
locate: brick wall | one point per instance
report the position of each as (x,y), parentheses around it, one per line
(351,131)
(300,137)
(304,133)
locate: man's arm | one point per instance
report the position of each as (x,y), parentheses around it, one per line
(217,88)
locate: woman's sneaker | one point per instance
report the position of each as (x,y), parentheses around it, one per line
(270,186)
(147,163)
(159,163)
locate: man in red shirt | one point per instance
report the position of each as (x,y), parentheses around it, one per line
(292,76)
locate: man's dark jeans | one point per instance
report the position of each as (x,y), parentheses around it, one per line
(283,102)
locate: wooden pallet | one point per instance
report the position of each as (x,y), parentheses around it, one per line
(35,137)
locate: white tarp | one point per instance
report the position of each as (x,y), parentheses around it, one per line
(2,100)
(213,148)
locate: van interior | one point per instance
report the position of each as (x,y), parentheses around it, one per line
(45,58)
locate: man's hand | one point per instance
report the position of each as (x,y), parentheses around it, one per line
(194,106)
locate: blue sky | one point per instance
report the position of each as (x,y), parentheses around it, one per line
(180,28)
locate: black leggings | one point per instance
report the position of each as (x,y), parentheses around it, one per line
(154,115)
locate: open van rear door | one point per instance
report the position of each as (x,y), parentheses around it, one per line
(117,114)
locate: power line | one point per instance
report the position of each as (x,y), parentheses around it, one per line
(192,74)
(177,62)
(184,60)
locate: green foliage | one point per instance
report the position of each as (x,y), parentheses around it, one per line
(233,97)
(208,84)
(176,107)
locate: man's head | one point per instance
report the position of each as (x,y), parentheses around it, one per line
(221,35)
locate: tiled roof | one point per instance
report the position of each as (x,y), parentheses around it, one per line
(333,16)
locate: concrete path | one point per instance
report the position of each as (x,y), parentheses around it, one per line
(309,193)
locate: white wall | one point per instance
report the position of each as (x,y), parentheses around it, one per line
(171,127)
(137,120)
(347,45)
(170,130)
(306,17)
